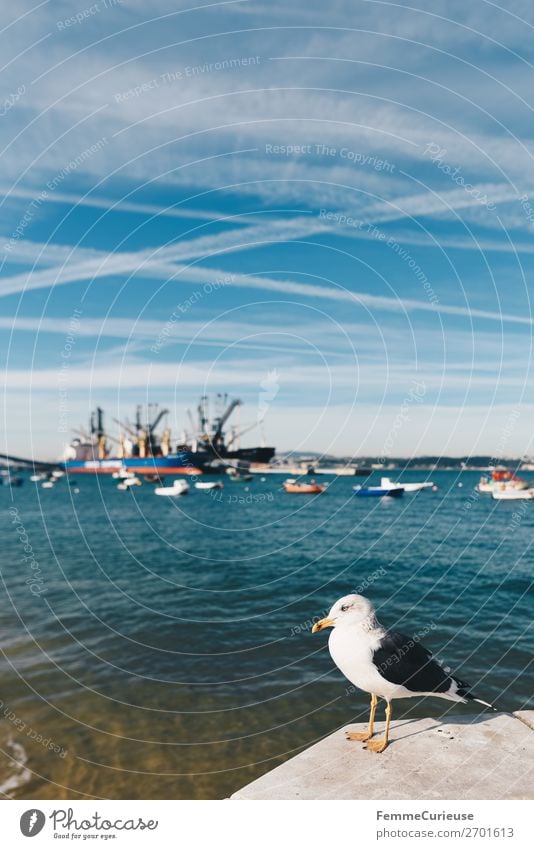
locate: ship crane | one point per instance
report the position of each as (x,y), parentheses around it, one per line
(217,437)
(191,422)
(127,427)
(97,429)
(202,416)
(237,433)
(154,446)
(155,423)
(90,452)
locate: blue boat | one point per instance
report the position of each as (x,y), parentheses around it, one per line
(378,491)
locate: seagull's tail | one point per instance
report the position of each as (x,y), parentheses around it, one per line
(470,698)
(463,691)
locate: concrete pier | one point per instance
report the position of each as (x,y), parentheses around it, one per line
(485,756)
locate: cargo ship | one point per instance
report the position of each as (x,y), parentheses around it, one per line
(141,449)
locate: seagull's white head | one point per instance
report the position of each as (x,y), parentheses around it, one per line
(349,610)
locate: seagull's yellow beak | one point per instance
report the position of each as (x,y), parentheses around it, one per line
(323,623)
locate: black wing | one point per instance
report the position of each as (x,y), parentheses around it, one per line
(402,660)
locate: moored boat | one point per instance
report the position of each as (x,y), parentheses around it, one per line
(342,471)
(179,487)
(208,485)
(129,481)
(513,494)
(408,486)
(10,480)
(378,491)
(239,475)
(501,480)
(302,487)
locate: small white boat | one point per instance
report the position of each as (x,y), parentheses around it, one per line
(209,485)
(47,484)
(57,473)
(408,486)
(128,482)
(338,471)
(127,479)
(132,480)
(513,494)
(36,478)
(178,488)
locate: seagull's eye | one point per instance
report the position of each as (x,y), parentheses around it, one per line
(345,607)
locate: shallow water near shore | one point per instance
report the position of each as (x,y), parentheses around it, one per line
(165,651)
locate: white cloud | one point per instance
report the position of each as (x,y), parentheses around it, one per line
(108,204)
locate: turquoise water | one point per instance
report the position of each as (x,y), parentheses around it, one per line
(165,651)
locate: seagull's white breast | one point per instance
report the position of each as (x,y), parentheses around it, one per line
(351,648)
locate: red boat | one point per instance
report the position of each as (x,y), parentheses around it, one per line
(312,488)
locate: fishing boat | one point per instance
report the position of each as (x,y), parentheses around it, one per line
(311,488)
(408,486)
(513,494)
(142,448)
(378,491)
(208,485)
(501,480)
(179,487)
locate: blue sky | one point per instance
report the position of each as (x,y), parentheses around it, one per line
(338,201)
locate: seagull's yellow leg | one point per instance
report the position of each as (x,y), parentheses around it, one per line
(380,745)
(362,736)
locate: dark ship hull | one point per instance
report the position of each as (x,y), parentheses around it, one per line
(186,462)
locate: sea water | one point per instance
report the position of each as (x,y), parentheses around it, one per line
(162,648)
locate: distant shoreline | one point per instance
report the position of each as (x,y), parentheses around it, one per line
(430,463)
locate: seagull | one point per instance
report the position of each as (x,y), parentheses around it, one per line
(386,664)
